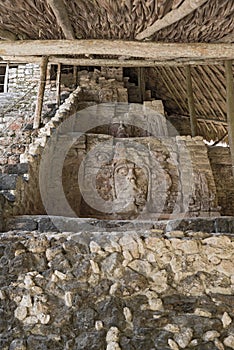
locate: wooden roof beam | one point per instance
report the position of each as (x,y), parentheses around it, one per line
(132,49)
(230,107)
(59,9)
(173,16)
(108,62)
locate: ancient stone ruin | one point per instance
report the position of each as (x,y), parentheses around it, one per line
(117,230)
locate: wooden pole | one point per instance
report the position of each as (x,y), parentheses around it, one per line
(75,70)
(230,107)
(41,91)
(141,83)
(58,84)
(191,106)
(6,78)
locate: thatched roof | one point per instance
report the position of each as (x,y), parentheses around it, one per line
(179,21)
(209,95)
(123,19)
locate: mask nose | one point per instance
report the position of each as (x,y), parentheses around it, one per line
(131,175)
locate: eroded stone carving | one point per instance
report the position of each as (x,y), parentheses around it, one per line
(124,183)
(147,178)
(133,182)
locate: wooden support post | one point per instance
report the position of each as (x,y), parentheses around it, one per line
(230,107)
(6,78)
(141,83)
(41,90)
(192,112)
(75,70)
(58,84)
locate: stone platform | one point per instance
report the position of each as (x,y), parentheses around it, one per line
(43,223)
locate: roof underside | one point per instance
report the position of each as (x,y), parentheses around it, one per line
(211,22)
(124,19)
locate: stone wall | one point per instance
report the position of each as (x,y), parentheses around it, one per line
(16,116)
(221,164)
(17,109)
(29,145)
(140,290)
(18,105)
(2,202)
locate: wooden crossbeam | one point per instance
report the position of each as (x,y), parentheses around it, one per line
(108,62)
(171,17)
(60,12)
(156,51)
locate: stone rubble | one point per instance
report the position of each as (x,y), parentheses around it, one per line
(76,290)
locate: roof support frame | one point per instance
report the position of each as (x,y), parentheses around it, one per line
(230,107)
(59,9)
(161,52)
(173,16)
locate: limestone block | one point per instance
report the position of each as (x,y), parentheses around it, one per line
(21,312)
(229,341)
(184,337)
(226,320)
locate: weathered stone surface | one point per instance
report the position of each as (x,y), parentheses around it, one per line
(229,341)
(50,290)
(44,223)
(8,182)
(184,337)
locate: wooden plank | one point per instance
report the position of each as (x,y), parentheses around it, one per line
(230,107)
(191,105)
(60,12)
(58,84)
(41,90)
(153,50)
(108,62)
(171,17)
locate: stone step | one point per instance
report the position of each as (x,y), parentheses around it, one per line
(44,223)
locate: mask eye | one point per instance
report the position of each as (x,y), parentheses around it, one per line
(123,171)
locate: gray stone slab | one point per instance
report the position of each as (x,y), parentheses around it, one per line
(19,169)
(21,223)
(44,223)
(8,181)
(193,224)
